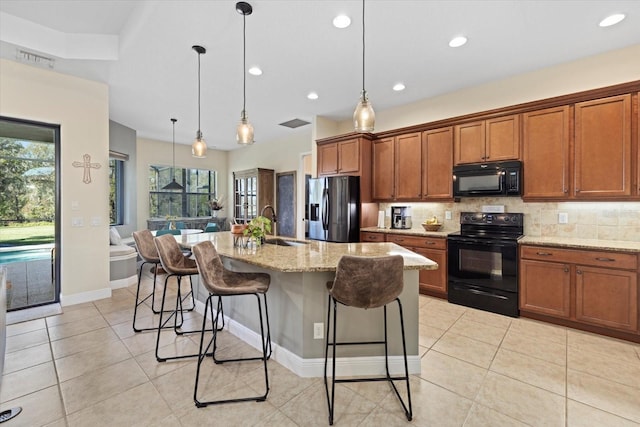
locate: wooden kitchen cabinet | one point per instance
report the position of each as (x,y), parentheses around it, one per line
(490,140)
(437,163)
(339,158)
(584,287)
(414,166)
(253,189)
(368,236)
(545,147)
(383,169)
(432,282)
(603,148)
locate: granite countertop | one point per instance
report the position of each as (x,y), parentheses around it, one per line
(315,256)
(410,232)
(573,243)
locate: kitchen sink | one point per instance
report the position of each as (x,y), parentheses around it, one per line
(282,242)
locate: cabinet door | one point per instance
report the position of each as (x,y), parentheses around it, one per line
(607,297)
(367,236)
(437,163)
(328,159)
(502,139)
(349,157)
(433,281)
(545,288)
(469,143)
(603,148)
(383,169)
(545,148)
(408,166)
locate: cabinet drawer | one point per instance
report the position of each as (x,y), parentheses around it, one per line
(417,241)
(371,237)
(593,258)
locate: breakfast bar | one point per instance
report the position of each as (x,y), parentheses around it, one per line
(297,301)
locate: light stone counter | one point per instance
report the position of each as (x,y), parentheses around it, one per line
(572,243)
(298,299)
(315,256)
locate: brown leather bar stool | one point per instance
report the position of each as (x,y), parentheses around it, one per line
(366,282)
(175,264)
(222,282)
(149,254)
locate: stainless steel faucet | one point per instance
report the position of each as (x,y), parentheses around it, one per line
(273,212)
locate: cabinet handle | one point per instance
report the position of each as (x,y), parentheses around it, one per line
(577,190)
(578,271)
(544,253)
(605,259)
(430,243)
(400,240)
(566,269)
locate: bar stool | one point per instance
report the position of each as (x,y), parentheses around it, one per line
(149,254)
(175,264)
(222,282)
(366,282)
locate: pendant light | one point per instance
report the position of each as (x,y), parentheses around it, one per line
(244,132)
(199,146)
(364,118)
(173,185)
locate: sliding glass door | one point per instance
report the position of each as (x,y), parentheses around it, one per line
(29,211)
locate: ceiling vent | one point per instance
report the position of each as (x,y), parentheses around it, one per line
(295,123)
(34,58)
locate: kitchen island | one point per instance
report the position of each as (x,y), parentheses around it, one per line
(298,297)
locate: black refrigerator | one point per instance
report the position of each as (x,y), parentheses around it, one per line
(334,209)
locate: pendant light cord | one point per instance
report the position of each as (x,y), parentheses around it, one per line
(174,148)
(199,132)
(244,64)
(363,86)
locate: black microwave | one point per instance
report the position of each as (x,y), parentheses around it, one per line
(488,179)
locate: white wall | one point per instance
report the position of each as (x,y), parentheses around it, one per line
(153,152)
(81,108)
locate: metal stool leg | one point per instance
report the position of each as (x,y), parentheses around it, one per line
(266,348)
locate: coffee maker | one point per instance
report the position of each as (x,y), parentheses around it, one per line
(400,217)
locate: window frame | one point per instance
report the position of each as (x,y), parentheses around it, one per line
(118,170)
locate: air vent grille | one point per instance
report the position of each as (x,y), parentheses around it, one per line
(295,123)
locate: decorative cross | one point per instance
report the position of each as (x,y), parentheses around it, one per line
(87,165)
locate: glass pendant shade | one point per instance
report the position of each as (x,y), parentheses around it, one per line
(364,118)
(199,147)
(244,133)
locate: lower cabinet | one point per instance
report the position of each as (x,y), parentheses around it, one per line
(596,288)
(432,282)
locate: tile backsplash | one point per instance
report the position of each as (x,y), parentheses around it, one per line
(586,220)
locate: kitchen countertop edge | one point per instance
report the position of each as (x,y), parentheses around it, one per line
(575,243)
(408,232)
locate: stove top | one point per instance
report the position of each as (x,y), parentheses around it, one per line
(495,226)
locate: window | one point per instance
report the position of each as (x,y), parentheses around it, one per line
(192,201)
(116,191)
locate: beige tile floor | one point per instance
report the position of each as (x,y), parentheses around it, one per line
(86,367)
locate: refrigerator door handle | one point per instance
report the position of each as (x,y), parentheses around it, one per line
(325,209)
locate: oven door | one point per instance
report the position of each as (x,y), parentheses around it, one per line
(484,263)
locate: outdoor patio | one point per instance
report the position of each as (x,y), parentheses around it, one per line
(29,283)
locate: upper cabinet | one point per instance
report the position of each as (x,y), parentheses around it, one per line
(413,166)
(339,158)
(488,140)
(347,155)
(603,148)
(545,148)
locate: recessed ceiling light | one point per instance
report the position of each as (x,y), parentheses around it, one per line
(312,95)
(457,41)
(612,19)
(398,87)
(255,71)
(341,21)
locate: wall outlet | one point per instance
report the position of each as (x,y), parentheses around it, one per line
(318,331)
(447,214)
(77,221)
(563,218)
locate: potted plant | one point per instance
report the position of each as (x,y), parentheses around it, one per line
(257,228)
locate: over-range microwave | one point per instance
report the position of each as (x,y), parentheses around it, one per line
(488,179)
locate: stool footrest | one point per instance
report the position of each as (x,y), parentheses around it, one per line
(363,380)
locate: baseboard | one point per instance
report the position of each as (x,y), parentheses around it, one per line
(123,283)
(83,297)
(345,367)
